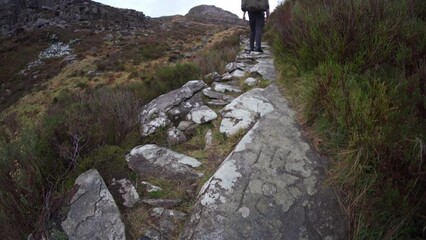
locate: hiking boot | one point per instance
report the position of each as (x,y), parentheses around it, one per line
(259,50)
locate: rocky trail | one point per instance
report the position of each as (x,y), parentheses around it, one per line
(269,187)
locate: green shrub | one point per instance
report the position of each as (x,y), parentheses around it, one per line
(108,160)
(358,68)
(165,79)
(216,58)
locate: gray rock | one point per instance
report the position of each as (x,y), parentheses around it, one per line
(226,77)
(151,188)
(93,213)
(238,74)
(202,115)
(217,102)
(185,125)
(230,67)
(175,136)
(213,77)
(156,212)
(220,87)
(178,113)
(162,203)
(208,92)
(152,234)
(208,140)
(109,37)
(127,191)
(251,81)
(265,67)
(153,115)
(154,161)
(41,22)
(243,112)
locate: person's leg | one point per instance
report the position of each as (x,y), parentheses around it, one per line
(260,23)
(252,21)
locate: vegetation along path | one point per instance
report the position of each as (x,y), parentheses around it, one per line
(271,185)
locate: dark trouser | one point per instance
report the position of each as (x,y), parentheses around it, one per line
(257,21)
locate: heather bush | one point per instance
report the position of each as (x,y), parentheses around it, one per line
(358,69)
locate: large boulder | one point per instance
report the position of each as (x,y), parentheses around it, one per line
(154,161)
(93,213)
(154,115)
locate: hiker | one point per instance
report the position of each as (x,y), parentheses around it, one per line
(256,11)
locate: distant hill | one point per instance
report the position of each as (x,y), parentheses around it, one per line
(25,15)
(213,14)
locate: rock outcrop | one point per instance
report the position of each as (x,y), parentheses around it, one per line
(93,213)
(22,15)
(213,14)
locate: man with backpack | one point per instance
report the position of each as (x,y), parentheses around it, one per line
(256,10)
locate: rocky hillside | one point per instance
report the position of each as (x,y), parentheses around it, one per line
(17,16)
(213,14)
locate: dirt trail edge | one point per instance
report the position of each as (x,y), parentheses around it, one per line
(271,185)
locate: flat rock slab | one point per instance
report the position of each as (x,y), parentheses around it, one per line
(93,213)
(220,87)
(208,92)
(265,67)
(244,111)
(269,187)
(154,161)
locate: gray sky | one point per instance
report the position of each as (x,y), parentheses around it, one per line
(157,8)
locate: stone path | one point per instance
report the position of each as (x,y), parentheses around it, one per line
(271,185)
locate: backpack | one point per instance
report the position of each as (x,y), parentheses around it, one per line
(254,5)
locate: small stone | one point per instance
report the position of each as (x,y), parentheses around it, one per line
(202,114)
(208,92)
(226,77)
(175,136)
(184,125)
(238,74)
(174,214)
(127,191)
(213,77)
(157,212)
(41,22)
(209,140)
(151,234)
(217,102)
(151,188)
(219,87)
(250,81)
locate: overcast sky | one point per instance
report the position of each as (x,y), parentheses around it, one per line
(157,8)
